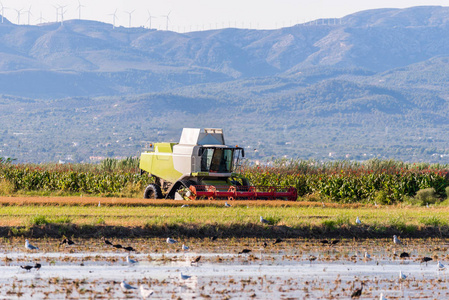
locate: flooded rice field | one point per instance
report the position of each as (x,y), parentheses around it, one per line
(225,269)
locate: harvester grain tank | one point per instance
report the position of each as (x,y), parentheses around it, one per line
(201,166)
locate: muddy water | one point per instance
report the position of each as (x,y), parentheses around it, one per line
(281,271)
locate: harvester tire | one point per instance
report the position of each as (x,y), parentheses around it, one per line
(179,185)
(153,191)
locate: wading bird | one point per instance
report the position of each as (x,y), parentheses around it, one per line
(28,268)
(184,277)
(277,241)
(396,240)
(263,221)
(125,286)
(312,258)
(171,241)
(358,292)
(130,261)
(29,246)
(245,251)
(145,292)
(196,260)
(425,259)
(67,241)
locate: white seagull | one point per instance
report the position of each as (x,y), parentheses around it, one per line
(126,286)
(145,292)
(184,247)
(184,277)
(367,255)
(227,204)
(29,246)
(357,221)
(402,276)
(396,240)
(381,297)
(130,261)
(171,241)
(441,267)
(263,221)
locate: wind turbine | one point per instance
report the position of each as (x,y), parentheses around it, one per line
(168,19)
(40,20)
(29,14)
(62,13)
(130,13)
(79,9)
(3,10)
(114,16)
(150,17)
(57,13)
(18,15)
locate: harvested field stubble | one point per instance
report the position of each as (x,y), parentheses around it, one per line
(121,217)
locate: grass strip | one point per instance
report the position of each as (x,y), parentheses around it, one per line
(288,219)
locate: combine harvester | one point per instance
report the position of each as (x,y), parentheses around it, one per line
(201,166)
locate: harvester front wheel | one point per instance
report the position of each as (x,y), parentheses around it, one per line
(153,191)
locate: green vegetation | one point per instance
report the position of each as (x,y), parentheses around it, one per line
(374,181)
(110,178)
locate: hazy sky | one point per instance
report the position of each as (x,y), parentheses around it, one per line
(186,15)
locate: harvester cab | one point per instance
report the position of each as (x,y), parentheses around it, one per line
(201,165)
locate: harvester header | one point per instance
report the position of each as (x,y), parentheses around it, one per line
(202,166)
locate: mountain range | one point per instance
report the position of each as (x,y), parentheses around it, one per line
(371,84)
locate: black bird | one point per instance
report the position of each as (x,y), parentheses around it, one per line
(107,242)
(358,292)
(334,242)
(312,258)
(425,259)
(37,266)
(277,241)
(118,246)
(330,243)
(28,268)
(129,248)
(67,241)
(245,251)
(213,238)
(404,255)
(265,245)
(196,260)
